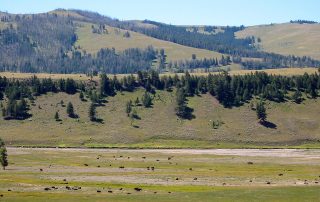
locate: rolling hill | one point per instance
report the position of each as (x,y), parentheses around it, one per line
(286,39)
(92,43)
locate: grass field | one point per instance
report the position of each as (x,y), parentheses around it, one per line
(295,125)
(188,175)
(92,43)
(287,39)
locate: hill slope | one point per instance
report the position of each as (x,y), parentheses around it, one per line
(287,39)
(159,125)
(59,41)
(92,43)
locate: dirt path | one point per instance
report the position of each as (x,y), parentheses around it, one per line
(293,153)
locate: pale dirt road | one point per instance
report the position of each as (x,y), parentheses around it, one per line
(292,153)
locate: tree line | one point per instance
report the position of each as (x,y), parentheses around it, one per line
(231,91)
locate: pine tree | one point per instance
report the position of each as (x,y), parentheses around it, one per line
(81,96)
(261,112)
(95,98)
(70,110)
(56,116)
(92,112)
(181,109)
(4,157)
(146,100)
(22,108)
(297,97)
(129,108)
(137,102)
(105,85)
(70,86)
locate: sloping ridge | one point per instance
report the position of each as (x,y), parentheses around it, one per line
(287,39)
(92,43)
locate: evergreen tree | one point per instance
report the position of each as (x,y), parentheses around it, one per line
(129,108)
(181,109)
(92,112)
(56,116)
(261,111)
(70,86)
(22,108)
(105,85)
(4,157)
(146,100)
(81,96)
(137,102)
(95,98)
(70,110)
(297,97)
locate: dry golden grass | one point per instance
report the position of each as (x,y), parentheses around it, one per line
(92,43)
(67,13)
(287,39)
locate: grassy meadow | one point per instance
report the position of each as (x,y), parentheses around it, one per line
(287,39)
(190,175)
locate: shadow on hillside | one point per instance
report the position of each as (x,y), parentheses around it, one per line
(98,120)
(189,114)
(269,124)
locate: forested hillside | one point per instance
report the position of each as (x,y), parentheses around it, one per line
(51,42)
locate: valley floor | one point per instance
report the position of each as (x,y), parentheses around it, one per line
(160,175)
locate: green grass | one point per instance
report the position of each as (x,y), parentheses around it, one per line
(237,194)
(27,182)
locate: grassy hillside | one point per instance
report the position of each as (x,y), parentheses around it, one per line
(287,39)
(92,43)
(159,126)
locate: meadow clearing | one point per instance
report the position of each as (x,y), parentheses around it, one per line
(160,175)
(287,38)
